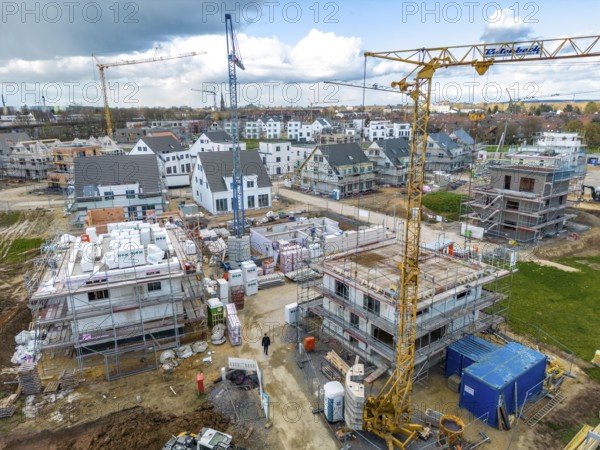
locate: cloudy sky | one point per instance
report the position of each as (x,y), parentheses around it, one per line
(288,47)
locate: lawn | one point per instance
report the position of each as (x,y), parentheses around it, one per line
(19,248)
(446,204)
(9,218)
(563,304)
(251,144)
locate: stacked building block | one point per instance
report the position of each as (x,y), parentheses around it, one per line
(234,327)
(249,275)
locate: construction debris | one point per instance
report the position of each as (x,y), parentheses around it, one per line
(29,379)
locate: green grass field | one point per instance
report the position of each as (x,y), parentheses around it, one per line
(563,304)
(446,204)
(18,249)
(9,218)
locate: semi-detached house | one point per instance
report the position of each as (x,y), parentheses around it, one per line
(212,181)
(174,161)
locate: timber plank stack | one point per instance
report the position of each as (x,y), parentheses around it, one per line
(67,380)
(29,379)
(336,361)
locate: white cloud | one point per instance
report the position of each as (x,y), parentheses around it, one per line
(315,57)
(505,26)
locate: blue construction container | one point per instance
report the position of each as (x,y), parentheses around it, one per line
(512,369)
(466,351)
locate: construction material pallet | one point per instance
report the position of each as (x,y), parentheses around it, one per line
(29,379)
(67,379)
(337,362)
(330,373)
(52,387)
(546,409)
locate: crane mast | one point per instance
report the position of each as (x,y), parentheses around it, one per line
(388,414)
(234,61)
(103,66)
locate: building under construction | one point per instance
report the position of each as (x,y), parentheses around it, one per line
(523,195)
(358,296)
(116,299)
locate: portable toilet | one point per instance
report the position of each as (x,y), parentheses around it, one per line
(333,398)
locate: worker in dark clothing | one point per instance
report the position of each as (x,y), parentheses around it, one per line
(266,341)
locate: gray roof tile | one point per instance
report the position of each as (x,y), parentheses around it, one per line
(343,154)
(217,165)
(163,144)
(218,136)
(116,169)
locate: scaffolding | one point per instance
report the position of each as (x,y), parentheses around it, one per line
(93,332)
(522,213)
(460,295)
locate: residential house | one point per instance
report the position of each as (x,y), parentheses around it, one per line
(31,160)
(462,138)
(116,181)
(320,125)
(445,154)
(174,161)
(253,129)
(337,138)
(213,141)
(383,129)
(273,129)
(280,158)
(129,135)
(391,159)
(64,159)
(7,140)
(523,202)
(359,304)
(300,132)
(341,167)
(212,181)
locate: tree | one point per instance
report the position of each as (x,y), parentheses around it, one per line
(573,125)
(569,108)
(592,134)
(591,108)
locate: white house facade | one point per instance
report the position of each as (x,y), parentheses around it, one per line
(174,161)
(212,182)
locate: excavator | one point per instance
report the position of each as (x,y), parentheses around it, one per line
(595,191)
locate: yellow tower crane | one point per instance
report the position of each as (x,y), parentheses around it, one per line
(103,66)
(388,414)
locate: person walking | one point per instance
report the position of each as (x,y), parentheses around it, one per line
(266,341)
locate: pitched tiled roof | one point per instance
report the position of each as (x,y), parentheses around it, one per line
(94,171)
(343,154)
(163,144)
(217,165)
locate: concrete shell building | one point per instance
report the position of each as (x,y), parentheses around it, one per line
(359,295)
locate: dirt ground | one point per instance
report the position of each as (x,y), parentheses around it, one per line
(384,200)
(143,412)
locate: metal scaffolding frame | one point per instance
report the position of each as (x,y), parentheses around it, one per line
(435,333)
(486,206)
(184,313)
